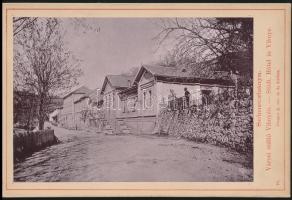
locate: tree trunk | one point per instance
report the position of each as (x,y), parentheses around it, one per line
(41,124)
(28,122)
(41,114)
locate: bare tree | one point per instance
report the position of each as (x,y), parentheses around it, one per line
(79,24)
(42,64)
(169,60)
(203,39)
(22,23)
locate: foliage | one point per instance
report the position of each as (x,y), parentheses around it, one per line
(24,109)
(223,122)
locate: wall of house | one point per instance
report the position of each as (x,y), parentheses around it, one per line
(80,122)
(129,106)
(147,95)
(67,114)
(111,105)
(141,118)
(80,107)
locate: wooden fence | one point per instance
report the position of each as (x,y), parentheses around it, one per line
(25,143)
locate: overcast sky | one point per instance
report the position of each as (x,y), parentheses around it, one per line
(117,45)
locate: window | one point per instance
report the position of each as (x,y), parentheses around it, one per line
(134,105)
(150,98)
(144,100)
(124,106)
(108,101)
(113,106)
(111,100)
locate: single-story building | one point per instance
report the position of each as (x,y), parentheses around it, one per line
(68,113)
(85,107)
(136,101)
(112,85)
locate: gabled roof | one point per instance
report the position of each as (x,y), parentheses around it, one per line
(80,90)
(81,98)
(93,93)
(129,90)
(183,75)
(157,70)
(117,81)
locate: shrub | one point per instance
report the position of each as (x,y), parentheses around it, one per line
(221,123)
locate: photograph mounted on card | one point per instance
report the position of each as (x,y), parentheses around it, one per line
(137,100)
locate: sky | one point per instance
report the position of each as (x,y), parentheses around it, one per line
(112,45)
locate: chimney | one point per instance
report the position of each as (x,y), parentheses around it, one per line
(184,70)
(129,83)
(97,94)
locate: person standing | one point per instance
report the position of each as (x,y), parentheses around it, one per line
(187,97)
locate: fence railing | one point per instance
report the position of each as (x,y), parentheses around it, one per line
(177,103)
(180,103)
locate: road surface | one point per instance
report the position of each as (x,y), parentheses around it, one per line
(89,156)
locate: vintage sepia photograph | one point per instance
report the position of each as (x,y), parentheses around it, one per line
(107,99)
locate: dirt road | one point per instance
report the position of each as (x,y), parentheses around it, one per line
(88,156)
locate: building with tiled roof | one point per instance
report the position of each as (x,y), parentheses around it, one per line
(116,82)
(80,90)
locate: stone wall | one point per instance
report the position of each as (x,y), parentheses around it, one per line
(225,123)
(140,125)
(25,143)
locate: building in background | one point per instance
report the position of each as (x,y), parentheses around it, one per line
(67,114)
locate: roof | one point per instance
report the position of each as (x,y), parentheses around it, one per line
(117,81)
(80,90)
(129,90)
(184,75)
(57,101)
(81,98)
(88,94)
(91,94)
(94,95)
(168,71)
